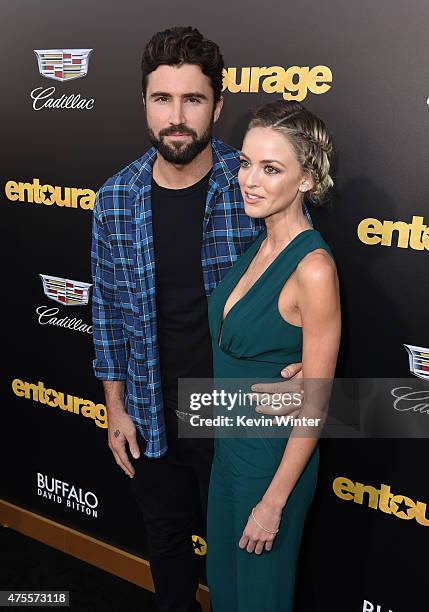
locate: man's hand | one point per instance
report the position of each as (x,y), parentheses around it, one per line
(282,403)
(122,431)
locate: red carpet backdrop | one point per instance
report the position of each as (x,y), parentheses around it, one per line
(73,116)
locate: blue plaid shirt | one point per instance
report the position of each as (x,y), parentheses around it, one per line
(123,270)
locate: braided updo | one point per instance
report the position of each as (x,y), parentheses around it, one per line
(308,136)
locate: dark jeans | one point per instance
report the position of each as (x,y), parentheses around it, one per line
(172,494)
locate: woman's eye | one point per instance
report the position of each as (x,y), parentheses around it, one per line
(271,170)
(244,163)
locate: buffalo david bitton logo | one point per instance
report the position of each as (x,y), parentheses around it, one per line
(63,64)
(370,607)
(419,361)
(65,291)
(70,496)
(381,499)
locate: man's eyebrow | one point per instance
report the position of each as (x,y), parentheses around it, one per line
(157,94)
(190,94)
(195,94)
(264,161)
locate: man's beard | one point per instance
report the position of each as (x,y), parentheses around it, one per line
(177,152)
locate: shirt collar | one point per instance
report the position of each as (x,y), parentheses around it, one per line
(224,171)
(225,164)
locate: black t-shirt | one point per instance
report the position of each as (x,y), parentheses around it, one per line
(181,304)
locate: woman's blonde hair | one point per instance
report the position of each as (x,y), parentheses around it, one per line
(308,136)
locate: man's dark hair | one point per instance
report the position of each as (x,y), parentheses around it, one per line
(183,45)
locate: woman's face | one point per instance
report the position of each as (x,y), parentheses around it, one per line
(270,177)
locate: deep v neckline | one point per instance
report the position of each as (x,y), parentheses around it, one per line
(263,236)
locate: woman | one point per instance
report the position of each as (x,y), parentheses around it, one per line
(279,304)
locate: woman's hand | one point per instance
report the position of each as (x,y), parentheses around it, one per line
(255,538)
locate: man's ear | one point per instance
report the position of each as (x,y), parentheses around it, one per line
(217,109)
(144,101)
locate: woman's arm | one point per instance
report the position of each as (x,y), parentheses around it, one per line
(319,306)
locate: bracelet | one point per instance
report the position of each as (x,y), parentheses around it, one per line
(259,524)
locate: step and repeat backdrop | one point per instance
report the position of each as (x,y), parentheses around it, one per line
(73,116)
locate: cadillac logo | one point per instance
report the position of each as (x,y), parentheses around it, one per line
(63,64)
(419,361)
(65,291)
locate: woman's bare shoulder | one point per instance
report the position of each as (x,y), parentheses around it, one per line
(316,268)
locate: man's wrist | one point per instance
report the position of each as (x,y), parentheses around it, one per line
(115,407)
(114,395)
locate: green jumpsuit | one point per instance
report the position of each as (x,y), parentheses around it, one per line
(255,342)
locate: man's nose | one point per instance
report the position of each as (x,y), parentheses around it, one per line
(177,115)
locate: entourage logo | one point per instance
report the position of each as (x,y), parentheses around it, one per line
(370,607)
(64,197)
(64,401)
(67,495)
(199,544)
(381,499)
(414,235)
(61,65)
(293,83)
(419,360)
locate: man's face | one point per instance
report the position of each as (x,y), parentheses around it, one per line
(180,111)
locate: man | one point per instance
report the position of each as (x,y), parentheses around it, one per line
(166,230)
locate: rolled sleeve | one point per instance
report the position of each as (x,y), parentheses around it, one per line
(110,341)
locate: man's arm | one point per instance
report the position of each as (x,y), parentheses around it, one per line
(110,343)
(121,427)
